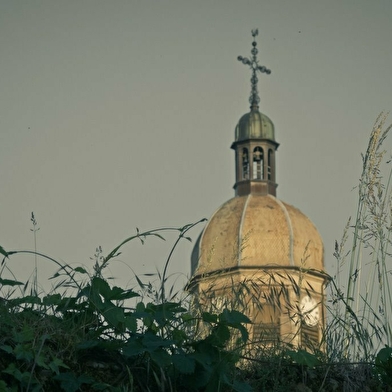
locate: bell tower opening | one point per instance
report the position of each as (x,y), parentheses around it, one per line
(245,164)
(258,163)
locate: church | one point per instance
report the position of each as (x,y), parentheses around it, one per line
(258,254)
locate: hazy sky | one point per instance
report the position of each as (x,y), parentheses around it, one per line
(120,114)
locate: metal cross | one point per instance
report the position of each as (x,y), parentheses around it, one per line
(253,63)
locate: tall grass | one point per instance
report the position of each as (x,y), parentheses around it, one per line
(361,300)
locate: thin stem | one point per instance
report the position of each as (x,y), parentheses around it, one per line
(34,230)
(184,230)
(63,267)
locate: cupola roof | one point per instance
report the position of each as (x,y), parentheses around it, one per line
(254,125)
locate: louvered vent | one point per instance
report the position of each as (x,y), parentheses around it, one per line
(266,333)
(310,335)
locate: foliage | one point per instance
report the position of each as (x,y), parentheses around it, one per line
(96,338)
(384,365)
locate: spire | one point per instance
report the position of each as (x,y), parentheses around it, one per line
(253,63)
(255,143)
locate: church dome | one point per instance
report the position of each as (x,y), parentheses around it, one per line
(254,245)
(257,231)
(254,125)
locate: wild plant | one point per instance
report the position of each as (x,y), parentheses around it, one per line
(362,307)
(35,274)
(93,336)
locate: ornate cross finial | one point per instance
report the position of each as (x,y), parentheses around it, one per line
(254,66)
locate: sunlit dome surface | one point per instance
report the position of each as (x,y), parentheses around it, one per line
(257,231)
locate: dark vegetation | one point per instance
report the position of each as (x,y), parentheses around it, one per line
(90,335)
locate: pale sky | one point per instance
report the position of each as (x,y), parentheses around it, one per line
(116,115)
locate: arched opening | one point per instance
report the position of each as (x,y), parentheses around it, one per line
(258,163)
(269,167)
(245,164)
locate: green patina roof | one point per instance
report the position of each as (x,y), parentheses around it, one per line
(254,125)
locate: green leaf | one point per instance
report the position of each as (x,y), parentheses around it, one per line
(302,357)
(183,363)
(133,347)
(148,321)
(56,275)
(153,342)
(131,323)
(81,270)
(233,317)
(24,352)
(29,299)
(384,355)
(141,284)
(7,349)
(40,360)
(56,364)
(204,355)
(187,317)
(241,386)
(244,333)
(9,282)
(179,336)
(117,293)
(3,386)
(86,344)
(101,286)
(16,373)
(113,315)
(3,252)
(101,386)
(26,335)
(140,307)
(52,299)
(70,383)
(209,317)
(222,334)
(161,357)
(159,236)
